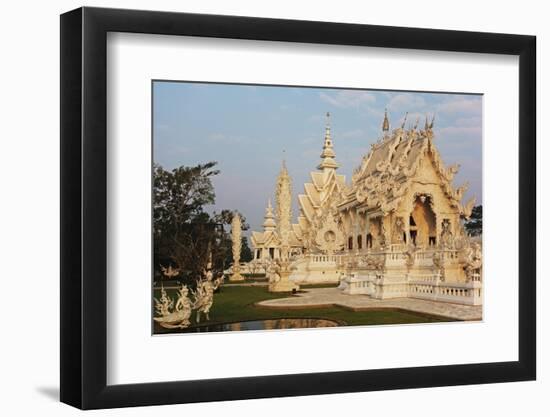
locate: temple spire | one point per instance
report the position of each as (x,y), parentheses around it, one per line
(386,122)
(269,218)
(328,155)
(283,195)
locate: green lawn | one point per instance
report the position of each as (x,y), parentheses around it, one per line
(233,304)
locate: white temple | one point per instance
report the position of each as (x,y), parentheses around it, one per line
(395,231)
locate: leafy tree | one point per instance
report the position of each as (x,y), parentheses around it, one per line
(225,217)
(474,226)
(180,195)
(184,234)
(246,252)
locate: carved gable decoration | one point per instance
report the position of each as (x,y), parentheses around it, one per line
(393,165)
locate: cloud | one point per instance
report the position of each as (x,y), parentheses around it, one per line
(405,102)
(467,131)
(351,134)
(348,98)
(474,121)
(460,105)
(378,113)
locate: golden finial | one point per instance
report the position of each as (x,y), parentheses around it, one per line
(327,127)
(386,122)
(284,169)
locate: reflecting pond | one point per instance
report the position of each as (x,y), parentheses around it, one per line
(287,323)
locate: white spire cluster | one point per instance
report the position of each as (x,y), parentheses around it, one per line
(269,218)
(328,154)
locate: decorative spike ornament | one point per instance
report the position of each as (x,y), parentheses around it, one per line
(386,122)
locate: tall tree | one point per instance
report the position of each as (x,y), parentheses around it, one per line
(184,234)
(474,226)
(246,252)
(179,196)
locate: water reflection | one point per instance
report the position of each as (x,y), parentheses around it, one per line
(271,324)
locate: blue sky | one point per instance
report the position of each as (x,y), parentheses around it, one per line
(249,129)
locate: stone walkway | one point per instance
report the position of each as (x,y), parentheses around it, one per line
(325,297)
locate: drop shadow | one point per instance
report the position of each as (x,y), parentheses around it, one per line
(50,392)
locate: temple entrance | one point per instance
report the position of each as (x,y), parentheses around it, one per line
(422,223)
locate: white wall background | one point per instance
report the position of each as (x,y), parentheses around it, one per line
(29,213)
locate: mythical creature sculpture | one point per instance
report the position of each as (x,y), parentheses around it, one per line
(169,272)
(468,207)
(163,306)
(372,262)
(203,298)
(459,192)
(446,234)
(382,239)
(398,230)
(273,271)
(473,261)
(179,317)
(410,254)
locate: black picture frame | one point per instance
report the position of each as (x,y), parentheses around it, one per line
(84,207)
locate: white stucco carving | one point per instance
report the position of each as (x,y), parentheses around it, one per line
(399,223)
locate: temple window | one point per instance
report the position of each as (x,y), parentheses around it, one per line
(359,242)
(369,241)
(350,243)
(432,241)
(272,253)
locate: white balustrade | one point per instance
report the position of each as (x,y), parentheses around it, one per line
(427,287)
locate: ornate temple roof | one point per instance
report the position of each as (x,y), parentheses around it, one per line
(389,169)
(268,238)
(324,183)
(378,184)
